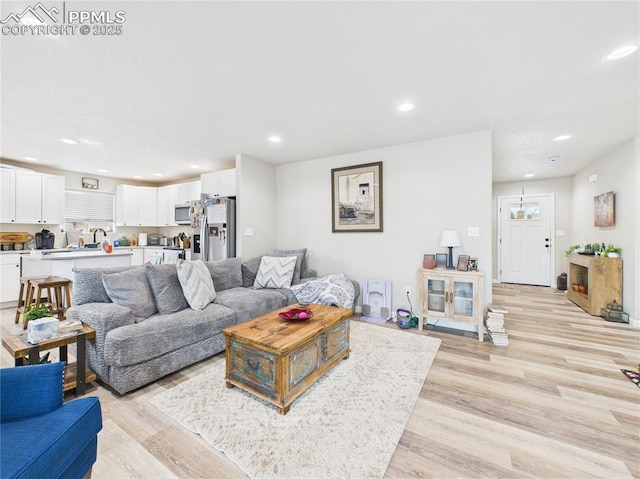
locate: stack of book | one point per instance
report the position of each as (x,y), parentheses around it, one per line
(69,326)
(494,321)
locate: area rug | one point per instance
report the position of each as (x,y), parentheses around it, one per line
(347,425)
(632,375)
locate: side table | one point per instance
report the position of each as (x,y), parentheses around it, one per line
(76,375)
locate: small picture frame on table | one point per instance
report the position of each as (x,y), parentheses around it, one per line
(441,260)
(429,261)
(473,264)
(463,263)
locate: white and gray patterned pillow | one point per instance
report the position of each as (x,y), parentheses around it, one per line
(303,266)
(166,288)
(275,272)
(131,289)
(196,283)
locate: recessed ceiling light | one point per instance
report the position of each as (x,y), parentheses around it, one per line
(137,177)
(30,158)
(621,52)
(157,174)
(194,166)
(68,141)
(90,142)
(529,175)
(406,106)
(554,158)
(275,139)
(103,171)
(562,137)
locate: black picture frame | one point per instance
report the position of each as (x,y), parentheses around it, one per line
(441,260)
(356,198)
(463,263)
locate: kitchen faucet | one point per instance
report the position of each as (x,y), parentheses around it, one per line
(96,230)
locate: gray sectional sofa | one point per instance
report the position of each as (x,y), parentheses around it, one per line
(157,333)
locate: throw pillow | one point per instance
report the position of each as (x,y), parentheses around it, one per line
(226,273)
(131,289)
(250,271)
(88,287)
(304,266)
(166,288)
(196,283)
(275,272)
(299,259)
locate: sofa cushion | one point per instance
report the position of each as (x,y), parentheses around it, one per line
(131,289)
(249,303)
(164,333)
(305,272)
(88,287)
(196,283)
(166,288)
(275,272)
(226,273)
(250,270)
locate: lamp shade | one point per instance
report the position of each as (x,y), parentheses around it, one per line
(450,238)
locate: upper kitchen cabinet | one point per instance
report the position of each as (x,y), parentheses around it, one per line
(188,191)
(219,183)
(30,197)
(136,205)
(8,206)
(168,198)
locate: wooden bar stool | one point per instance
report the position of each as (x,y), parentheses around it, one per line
(25,294)
(58,294)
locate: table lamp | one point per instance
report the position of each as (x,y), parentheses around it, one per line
(450,239)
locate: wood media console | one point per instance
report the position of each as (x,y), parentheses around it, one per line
(603,280)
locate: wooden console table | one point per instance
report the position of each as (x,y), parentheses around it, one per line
(603,277)
(76,375)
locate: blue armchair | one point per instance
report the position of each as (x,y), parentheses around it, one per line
(39,435)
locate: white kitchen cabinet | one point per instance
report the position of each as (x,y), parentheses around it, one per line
(53,199)
(451,294)
(39,198)
(137,256)
(168,198)
(136,205)
(219,183)
(9,277)
(8,206)
(189,191)
(28,196)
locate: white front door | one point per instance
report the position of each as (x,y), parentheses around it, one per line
(525,243)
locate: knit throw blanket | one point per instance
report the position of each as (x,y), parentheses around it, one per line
(333,289)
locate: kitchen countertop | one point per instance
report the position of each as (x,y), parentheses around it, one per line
(83,251)
(62,254)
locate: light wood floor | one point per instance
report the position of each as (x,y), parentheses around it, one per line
(552,404)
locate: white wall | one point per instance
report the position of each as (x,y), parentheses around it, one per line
(561,188)
(427,187)
(618,172)
(256,206)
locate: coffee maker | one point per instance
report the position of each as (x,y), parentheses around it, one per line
(45,239)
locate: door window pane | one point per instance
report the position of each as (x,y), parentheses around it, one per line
(524,211)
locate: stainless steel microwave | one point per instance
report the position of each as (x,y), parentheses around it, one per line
(182,214)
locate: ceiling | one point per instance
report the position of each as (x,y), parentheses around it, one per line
(194,83)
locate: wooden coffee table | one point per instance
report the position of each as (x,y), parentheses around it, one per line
(76,375)
(277,360)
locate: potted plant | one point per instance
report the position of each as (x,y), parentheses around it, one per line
(36,312)
(613,251)
(571,249)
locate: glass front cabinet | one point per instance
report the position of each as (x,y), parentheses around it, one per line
(451,294)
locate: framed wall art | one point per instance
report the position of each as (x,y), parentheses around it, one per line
(356,198)
(604,210)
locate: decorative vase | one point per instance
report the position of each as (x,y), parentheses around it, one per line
(613,255)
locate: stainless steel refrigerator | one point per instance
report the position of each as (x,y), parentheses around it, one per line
(213,228)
